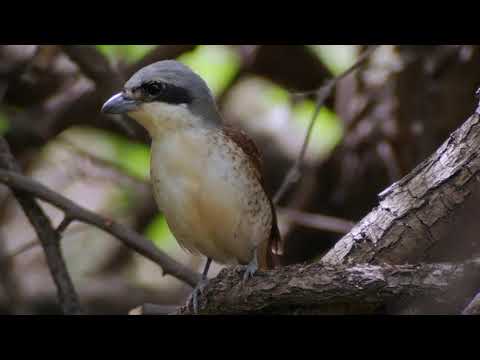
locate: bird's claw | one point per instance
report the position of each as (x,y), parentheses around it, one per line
(250,270)
(193,298)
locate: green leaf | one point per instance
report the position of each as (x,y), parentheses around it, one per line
(216,64)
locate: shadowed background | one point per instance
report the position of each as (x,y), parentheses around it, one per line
(378,124)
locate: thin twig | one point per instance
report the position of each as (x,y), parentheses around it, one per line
(20,250)
(34,243)
(129,237)
(318,221)
(294,174)
(67,220)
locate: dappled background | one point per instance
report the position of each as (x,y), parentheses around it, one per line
(377,125)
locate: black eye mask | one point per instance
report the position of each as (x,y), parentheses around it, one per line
(167,93)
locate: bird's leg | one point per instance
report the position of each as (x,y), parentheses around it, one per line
(193,298)
(251,268)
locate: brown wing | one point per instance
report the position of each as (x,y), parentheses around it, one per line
(247,145)
(266,257)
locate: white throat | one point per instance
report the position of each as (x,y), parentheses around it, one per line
(160,118)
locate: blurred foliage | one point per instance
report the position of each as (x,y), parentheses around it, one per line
(275,95)
(127,53)
(120,202)
(132,157)
(4,123)
(216,64)
(159,233)
(337,58)
(327,131)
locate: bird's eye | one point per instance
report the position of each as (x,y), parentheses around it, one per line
(153,88)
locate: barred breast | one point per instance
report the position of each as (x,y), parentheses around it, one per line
(210,193)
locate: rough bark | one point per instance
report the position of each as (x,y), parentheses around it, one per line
(324,289)
(409,219)
(473,308)
(420,217)
(403,228)
(396,112)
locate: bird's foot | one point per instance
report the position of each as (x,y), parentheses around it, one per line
(250,270)
(193,298)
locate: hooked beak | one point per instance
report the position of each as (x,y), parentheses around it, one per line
(119,104)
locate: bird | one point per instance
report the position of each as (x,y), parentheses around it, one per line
(206,175)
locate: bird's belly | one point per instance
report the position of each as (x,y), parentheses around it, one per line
(210,202)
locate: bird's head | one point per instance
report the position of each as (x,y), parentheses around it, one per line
(166,95)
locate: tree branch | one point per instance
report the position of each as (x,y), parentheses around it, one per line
(473,307)
(405,223)
(402,228)
(323,289)
(318,221)
(97,67)
(75,212)
(94,65)
(49,238)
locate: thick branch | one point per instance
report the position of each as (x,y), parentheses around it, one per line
(473,308)
(129,237)
(407,221)
(48,237)
(401,229)
(323,289)
(93,64)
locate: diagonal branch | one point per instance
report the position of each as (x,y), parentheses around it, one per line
(129,237)
(49,238)
(409,218)
(404,227)
(473,308)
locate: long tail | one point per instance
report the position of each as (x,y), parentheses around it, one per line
(269,251)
